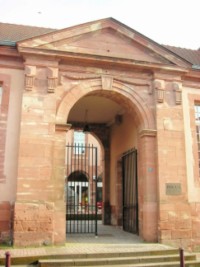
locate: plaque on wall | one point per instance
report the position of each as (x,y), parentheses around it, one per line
(173,189)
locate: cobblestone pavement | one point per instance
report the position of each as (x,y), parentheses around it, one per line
(109,239)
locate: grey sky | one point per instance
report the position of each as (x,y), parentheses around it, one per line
(172,22)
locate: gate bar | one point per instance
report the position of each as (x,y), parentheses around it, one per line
(96,233)
(82,214)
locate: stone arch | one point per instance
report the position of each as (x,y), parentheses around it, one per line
(132,101)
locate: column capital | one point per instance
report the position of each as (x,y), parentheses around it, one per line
(148,132)
(30,73)
(52,79)
(61,127)
(159,89)
(177,87)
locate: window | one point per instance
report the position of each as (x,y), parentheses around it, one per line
(197,123)
(79,143)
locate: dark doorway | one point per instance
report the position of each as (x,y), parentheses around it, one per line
(130,191)
(81,189)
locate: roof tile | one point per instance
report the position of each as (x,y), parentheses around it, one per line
(15,33)
(192,56)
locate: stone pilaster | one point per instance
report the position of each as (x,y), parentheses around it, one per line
(147,185)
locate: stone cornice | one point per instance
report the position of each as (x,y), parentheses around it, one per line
(62,127)
(192,75)
(9,51)
(98,59)
(148,132)
(10,58)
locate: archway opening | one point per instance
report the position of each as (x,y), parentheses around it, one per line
(114,124)
(76,187)
(132,126)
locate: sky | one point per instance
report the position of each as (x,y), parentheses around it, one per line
(169,22)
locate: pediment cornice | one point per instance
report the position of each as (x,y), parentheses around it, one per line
(108,41)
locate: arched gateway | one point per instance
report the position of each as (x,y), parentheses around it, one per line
(141,116)
(49,79)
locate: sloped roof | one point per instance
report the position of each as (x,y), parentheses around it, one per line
(192,56)
(12,33)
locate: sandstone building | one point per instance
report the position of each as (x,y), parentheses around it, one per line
(141,97)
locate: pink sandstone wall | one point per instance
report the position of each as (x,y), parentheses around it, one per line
(40,184)
(123,137)
(41,160)
(10,112)
(41,169)
(179,217)
(42,89)
(40,187)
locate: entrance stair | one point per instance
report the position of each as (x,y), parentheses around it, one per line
(159,258)
(151,258)
(112,248)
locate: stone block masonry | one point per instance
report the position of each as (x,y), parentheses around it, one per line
(33,224)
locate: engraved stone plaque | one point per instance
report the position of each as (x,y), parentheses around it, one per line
(173,189)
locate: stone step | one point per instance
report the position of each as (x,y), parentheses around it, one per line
(121,261)
(126,253)
(193,263)
(26,265)
(30,259)
(151,258)
(172,264)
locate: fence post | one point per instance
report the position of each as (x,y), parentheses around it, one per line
(7,263)
(181,253)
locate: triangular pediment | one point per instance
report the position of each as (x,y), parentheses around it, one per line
(105,38)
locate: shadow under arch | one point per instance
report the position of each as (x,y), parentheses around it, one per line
(78,176)
(130,99)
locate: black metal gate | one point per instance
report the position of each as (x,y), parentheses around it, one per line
(81,189)
(130,191)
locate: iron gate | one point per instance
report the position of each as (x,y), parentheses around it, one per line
(81,189)
(130,191)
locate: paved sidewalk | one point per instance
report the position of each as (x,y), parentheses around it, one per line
(110,239)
